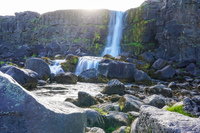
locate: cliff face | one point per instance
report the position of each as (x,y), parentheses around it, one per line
(72,28)
(170,28)
(178,29)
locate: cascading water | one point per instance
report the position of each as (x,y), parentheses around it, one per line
(114,33)
(87,62)
(56,67)
(112,46)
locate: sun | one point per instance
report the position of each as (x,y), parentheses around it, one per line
(42,6)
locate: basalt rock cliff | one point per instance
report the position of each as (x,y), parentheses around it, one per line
(170,28)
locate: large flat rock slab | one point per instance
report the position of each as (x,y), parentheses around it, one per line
(22,112)
(154,120)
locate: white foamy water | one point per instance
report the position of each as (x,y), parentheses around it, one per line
(114,33)
(87,62)
(56,67)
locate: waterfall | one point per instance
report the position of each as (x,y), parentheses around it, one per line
(112,46)
(114,33)
(56,68)
(87,62)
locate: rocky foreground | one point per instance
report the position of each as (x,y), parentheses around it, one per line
(121,98)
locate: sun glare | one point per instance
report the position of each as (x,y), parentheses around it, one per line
(9,7)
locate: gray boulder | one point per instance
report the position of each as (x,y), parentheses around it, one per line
(114,87)
(92,75)
(66,78)
(25,77)
(142,78)
(108,106)
(115,119)
(94,118)
(39,66)
(152,119)
(85,99)
(192,105)
(155,100)
(147,57)
(117,69)
(122,129)
(191,67)
(21,112)
(160,89)
(167,72)
(95,130)
(130,103)
(159,64)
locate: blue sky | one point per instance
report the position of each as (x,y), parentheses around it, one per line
(9,7)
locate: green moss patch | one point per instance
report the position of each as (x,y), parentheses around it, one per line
(179,109)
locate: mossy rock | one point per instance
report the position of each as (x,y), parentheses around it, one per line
(141,65)
(72,59)
(107,56)
(68,67)
(46,59)
(120,58)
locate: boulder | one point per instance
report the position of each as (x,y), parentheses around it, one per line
(114,87)
(21,112)
(122,129)
(66,78)
(160,89)
(39,66)
(25,77)
(192,105)
(191,67)
(185,85)
(142,65)
(147,57)
(159,64)
(92,75)
(167,72)
(142,78)
(152,119)
(117,69)
(107,56)
(108,106)
(115,119)
(95,130)
(85,99)
(172,85)
(155,100)
(94,118)
(185,63)
(68,67)
(72,59)
(130,103)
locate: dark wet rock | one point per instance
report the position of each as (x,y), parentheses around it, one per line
(160,89)
(25,77)
(66,78)
(159,64)
(186,93)
(115,119)
(94,118)
(92,76)
(68,67)
(117,69)
(107,56)
(122,129)
(85,99)
(23,52)
(114,87)
(94,130)
(114,98)
(21,112)
(142,78)
(142,65)
(108,107)
(192,105)
(185,85)
(39,66)
(41,82)
(72,59)
(172,85)
(155,100)
(158,120)
(185,63)
(191,67)
(167,72)
(131,60)
(130,103)
(147,57)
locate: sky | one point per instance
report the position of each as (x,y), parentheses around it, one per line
(9,7)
